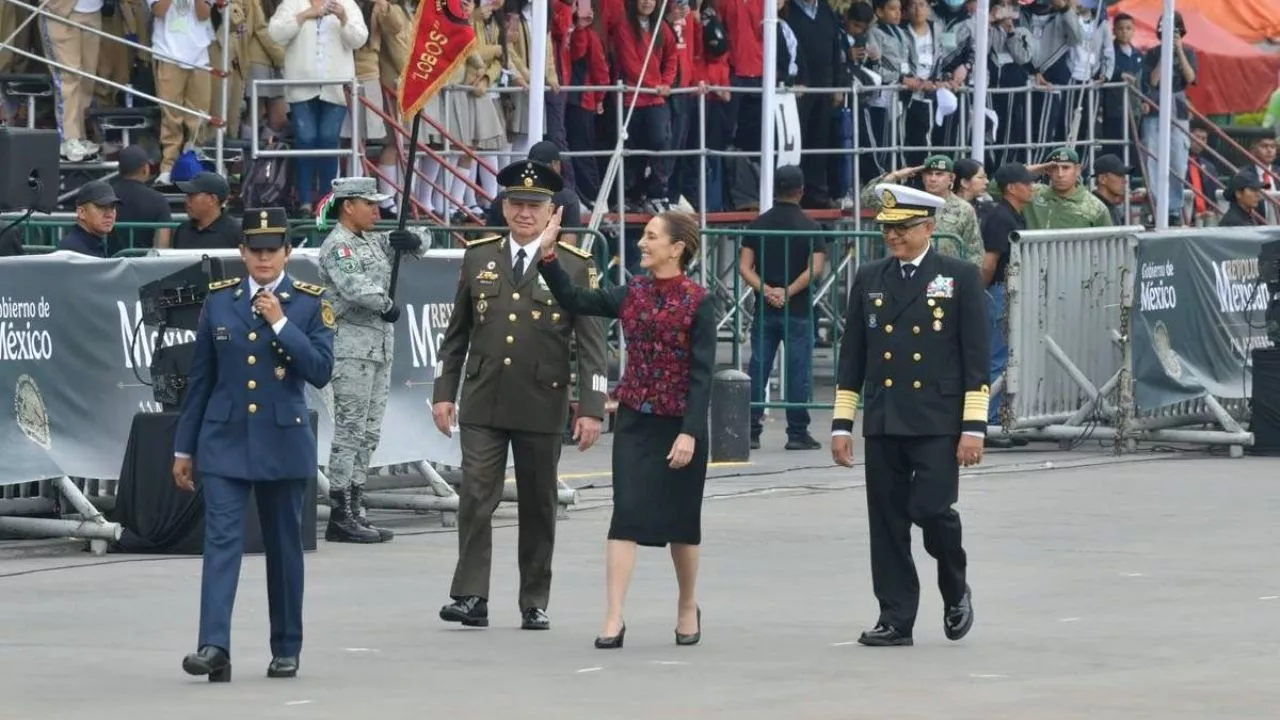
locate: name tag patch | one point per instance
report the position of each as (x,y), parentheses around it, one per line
(221,333)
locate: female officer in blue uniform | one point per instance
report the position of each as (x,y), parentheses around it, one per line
(244,426)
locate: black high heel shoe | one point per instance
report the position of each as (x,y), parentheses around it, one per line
(613,642)
(691,639)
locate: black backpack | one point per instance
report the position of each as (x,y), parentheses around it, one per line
(715,41)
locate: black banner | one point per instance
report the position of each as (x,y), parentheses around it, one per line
(70,345)
(1200,311)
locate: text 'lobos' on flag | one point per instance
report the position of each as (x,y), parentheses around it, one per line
(442,37)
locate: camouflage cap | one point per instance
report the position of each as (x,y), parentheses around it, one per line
(939,162)
(1064,155)
(364,188)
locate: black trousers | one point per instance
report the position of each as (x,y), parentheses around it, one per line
(913,480)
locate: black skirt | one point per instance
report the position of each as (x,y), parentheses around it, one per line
(652,504)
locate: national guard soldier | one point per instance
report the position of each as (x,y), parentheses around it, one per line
(916,337)
(517,374)
(245,427)
(355,266)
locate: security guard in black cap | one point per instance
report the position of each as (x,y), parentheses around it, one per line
(244,427)
(510,338)
(916,338)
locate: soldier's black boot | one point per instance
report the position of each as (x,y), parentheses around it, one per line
(357,501)
(343,526)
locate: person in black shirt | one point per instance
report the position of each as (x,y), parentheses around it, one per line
(209,228)
(1111,180)
(96,205)
(547,153)
(780,269)
(139,203)
(1017,186)
(1244,198)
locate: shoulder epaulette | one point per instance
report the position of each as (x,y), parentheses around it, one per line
(223,284)
(481,241)
(308,288)
(575,250)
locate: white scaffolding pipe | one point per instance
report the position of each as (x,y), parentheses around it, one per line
(538,72)
(1165,120)
(981,48)
(768,103)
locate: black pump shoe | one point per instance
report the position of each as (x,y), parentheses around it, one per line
(693,638)
(613,642)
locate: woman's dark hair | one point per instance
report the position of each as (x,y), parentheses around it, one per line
(682,227)
(860,12)
(965,169)
(633,19)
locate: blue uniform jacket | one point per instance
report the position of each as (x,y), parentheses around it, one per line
(245,415)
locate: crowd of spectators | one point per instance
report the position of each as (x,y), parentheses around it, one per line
(909,63)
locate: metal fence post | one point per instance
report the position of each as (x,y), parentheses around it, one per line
(729,428)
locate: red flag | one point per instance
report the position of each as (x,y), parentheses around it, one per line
(442,37)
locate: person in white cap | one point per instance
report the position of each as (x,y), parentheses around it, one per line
(916,337)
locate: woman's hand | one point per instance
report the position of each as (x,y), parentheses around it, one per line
(481,87)
(681,451)
(547,241)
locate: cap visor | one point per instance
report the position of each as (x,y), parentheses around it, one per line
(894,216)
(527,195)
(187,187)
(377,197)
(265,240)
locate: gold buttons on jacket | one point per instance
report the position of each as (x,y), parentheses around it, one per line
(916,384)
(888,356)
(878,302)
(917,357)
(888,382)
(930,302)
(253,384)
(506,361)
(253,336)
(252,360)
(915,329)
(253,408)
(888,328)
(512,317)
(515,296)
(510,339)
(555,384)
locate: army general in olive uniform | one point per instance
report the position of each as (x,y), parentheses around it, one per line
(916,337)
(508,346)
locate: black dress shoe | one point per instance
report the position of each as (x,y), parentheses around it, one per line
(885,636)
(471,611)
(283,667)
(535,619)
(611,642)
(211,661)
(957,620)
(803,443)
(692,638)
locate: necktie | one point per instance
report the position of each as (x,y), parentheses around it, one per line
(253,299)
(519,267)
(908,270)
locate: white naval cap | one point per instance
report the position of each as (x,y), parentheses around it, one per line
(900,204)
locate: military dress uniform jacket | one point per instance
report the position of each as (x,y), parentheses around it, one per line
(517,373)
(919,346)
(356,272)
(245,415)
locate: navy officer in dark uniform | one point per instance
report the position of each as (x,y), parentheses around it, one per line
(916,338)
(245,426)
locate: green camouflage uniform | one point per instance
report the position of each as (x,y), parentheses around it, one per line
(957,218)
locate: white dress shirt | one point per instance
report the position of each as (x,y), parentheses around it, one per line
(276,326)
(916,262)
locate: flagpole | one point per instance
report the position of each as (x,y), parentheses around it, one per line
(1163,209)
(981,45)
(538,72)
(768,106)
(406,192)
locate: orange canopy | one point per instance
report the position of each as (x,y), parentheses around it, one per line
(1234,77)
(1250,20)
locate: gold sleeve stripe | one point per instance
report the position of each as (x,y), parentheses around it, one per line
(846,405)
(976,405)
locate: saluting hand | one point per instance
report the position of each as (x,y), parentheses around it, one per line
(842,450)
(681,451)
(551,235)
(268,306)
(182,474)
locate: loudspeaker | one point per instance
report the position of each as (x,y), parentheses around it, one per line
(29,173)
(1265,402)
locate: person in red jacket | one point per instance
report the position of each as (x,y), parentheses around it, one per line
(650,126)
(587,66)
(744,23)
(713,71)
